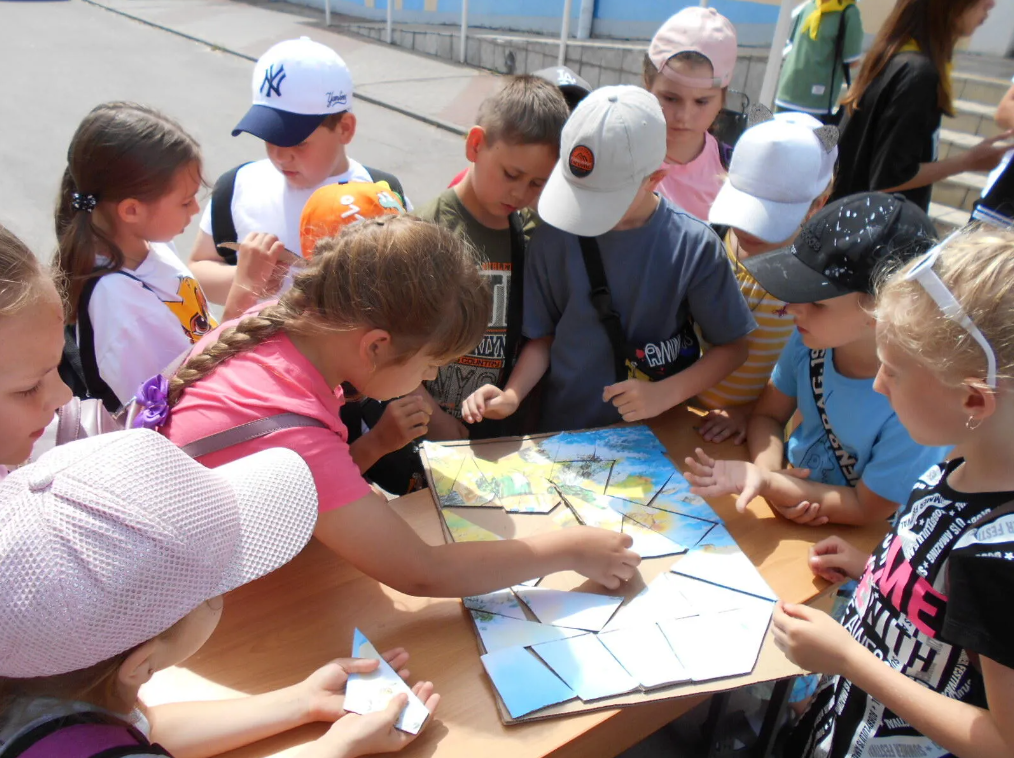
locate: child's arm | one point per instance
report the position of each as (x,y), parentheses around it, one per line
(636,400)
(765,429)
(200,729)
(402,421)
(442,425)
(489,401)
(814,641)
(213,274)
(788,491)
(371,536)
(259,273)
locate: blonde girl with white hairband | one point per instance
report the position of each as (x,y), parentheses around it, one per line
(933,601)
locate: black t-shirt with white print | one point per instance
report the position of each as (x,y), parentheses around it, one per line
(933,592)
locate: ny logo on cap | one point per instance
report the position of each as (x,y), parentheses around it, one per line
(273,80)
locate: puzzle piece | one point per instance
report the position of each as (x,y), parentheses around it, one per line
(498,632)
(718,645)
(524,683)
(587,667)
(463,530)
(573,610)
(681,529)
(369,693)
(639,479)
(444,464)
(727,567)
(649,544)
(658,601)
(472,488)
(586,474)
(499,603)
(646,655)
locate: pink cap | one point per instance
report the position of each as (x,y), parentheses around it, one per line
(108,541)
(696,30)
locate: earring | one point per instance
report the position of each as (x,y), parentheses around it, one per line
(973,423)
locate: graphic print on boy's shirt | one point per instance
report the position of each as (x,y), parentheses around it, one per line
(485,363)
(911,610)
(874,443)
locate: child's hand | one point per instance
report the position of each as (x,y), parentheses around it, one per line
(987,154)
(637,400)
(402,421)
(804,512)
(489,401)
(323,691)
(601,555)
(835,559)
(262,264)
(812,640)
(711,478)
(725,423)
(373,733)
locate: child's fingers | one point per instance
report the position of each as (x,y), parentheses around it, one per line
(613,390)
(740,437)
(396,657)
(704,458)
(395,706)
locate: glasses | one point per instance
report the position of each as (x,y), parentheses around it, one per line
(923,273)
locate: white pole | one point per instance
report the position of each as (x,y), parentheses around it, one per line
(774,67)
(564,32)
(390,20)
(327,12)
(464,30)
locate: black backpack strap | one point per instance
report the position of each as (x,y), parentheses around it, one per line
(602,301)
(97,387)
(392,181)
(223,228)
(119,738)
(516,299)
(817,360)
(251,430)
(838,60)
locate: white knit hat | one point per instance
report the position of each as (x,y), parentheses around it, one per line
(107,542)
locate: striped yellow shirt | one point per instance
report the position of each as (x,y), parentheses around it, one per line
(774,327)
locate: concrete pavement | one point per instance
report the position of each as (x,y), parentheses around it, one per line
(63,58)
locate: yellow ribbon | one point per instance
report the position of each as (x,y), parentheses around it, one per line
(913,47)
(811,23)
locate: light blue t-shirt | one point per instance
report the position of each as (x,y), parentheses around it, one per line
(888,461)
(672,268)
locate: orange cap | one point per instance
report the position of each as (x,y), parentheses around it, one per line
(334,206)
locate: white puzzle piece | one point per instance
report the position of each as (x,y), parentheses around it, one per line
(649,544)
(646,655)
(369,693)
(573,610)
(499,603)
(660,600)
(587,667)
(726,567)
(718,645)
(499,632)
(524,683)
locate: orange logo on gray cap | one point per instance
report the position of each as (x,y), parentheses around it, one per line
(582,161)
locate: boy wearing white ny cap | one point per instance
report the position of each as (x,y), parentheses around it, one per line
(780,175)
(302,110)
(114,554)
(617,280)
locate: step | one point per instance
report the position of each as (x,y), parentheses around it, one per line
(947,219)
(954,143)
(987,90)
(973,118)
(960,191)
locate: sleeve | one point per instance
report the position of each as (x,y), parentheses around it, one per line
(713,295)
(896,462)
(980,578)
(135,334)
(853,48)
(206,219)
(543,308)
(907,119)
(785,374)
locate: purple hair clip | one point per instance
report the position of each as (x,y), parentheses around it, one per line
(152,396)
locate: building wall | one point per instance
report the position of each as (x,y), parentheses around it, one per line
(638,19)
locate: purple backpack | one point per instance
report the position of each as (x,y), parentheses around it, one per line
(82,735)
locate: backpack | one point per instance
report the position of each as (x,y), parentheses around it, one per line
(223,228)
(90,734)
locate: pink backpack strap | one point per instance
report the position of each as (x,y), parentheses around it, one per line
(81,735)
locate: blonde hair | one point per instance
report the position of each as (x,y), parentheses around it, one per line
(20,274)
(413,279)
(977,267)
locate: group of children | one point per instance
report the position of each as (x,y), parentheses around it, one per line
(603,259)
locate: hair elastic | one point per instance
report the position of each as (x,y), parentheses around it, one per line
(80,201)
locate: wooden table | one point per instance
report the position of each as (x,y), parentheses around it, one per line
(277,630)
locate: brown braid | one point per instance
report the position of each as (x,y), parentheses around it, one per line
(413,279)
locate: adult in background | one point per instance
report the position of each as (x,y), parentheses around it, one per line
(891,126)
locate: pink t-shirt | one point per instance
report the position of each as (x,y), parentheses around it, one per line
(272,378)
(693,186)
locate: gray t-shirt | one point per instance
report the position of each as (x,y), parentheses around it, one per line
(659,274)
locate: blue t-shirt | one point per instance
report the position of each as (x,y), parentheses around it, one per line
(659,274)
(888,461)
